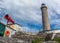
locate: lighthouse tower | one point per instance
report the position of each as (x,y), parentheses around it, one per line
(45,20)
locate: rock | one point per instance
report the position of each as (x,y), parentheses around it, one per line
(22,36)
(11,40)
(8,40)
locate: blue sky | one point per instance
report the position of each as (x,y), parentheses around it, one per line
(27,13)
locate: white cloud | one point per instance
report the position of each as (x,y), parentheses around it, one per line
(24,9)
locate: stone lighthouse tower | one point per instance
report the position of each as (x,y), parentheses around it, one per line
(45,20)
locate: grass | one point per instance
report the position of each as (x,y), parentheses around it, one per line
(37,40)
(56,39)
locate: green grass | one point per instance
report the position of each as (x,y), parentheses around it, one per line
(37,40)
(56,39)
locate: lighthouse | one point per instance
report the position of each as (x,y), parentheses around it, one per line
(45,19)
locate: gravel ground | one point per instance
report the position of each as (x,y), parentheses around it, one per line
(11,40)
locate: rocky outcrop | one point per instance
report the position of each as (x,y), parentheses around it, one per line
(23,36)
(8,40)
(11,40)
